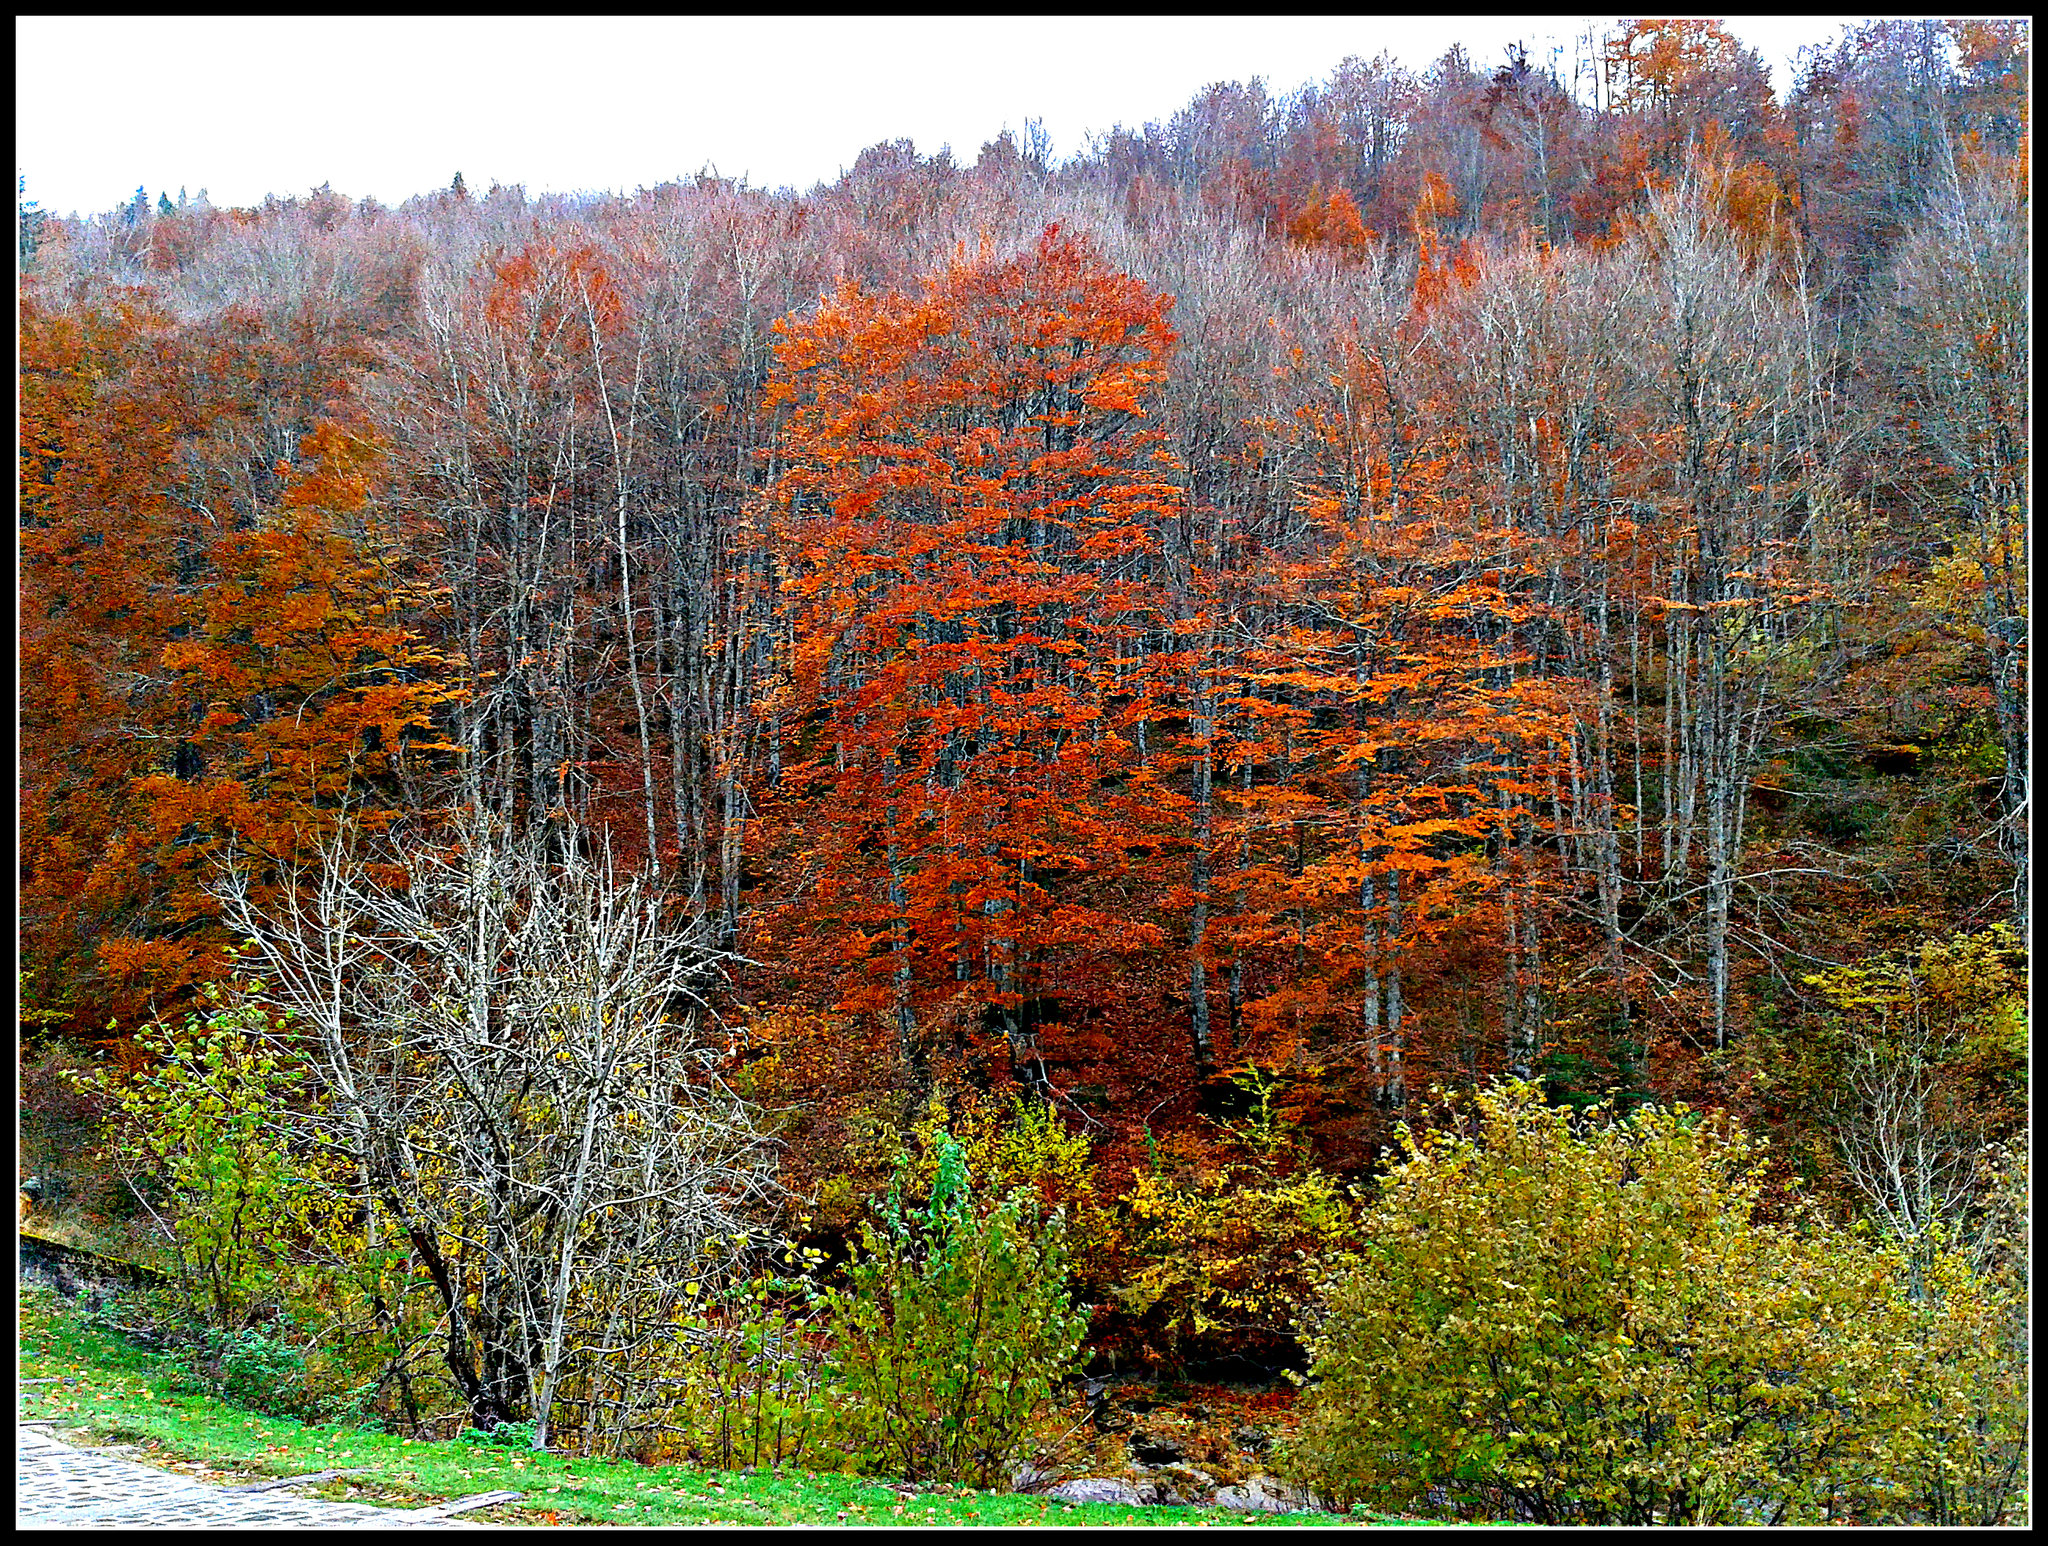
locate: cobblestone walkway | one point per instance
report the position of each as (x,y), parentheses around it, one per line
(59,1484)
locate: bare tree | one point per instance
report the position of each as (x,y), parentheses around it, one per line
(1915,1151)
(517,1054)
(1926,1090)
(1957,334)
(1736,389)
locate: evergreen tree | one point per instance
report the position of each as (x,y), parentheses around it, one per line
(30,219)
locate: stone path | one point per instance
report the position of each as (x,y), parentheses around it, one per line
(58,1484)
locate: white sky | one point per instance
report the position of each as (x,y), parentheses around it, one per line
(394,106)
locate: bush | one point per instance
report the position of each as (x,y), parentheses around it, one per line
(953,1328)
(1230,1239)
(258,1368)
(1581,1321)
(263,1372)
(1229,1249)
(196,1134)
(753,1379)
(279,1300)
(504,1436)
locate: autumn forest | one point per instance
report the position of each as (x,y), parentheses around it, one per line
(1170,663)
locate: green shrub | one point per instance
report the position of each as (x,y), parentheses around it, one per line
(504,1436)
(197,1136)
(262,1372)
(952,1330)
(259,1368)
(1581,1321)
(753,1378)
(278,1300)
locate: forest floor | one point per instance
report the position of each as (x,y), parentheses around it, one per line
(104,1390)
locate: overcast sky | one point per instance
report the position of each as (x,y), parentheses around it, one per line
(394,106)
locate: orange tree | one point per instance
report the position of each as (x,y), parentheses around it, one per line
(100,548)
(968,528)
(200,667)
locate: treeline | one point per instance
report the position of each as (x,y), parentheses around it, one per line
(1423,578)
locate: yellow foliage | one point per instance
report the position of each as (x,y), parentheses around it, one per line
(1582,1320)
(1229,1247)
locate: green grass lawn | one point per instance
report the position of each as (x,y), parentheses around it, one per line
(117,1392)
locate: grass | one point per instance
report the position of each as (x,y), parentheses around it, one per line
(115,1391)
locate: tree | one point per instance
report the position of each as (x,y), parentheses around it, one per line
(195,1136)
(1957,335)
(29,220)
(512,1046)
(1914,1069)
(216,625)
(1737,397)
(100,540)
(1562,587)
(953,1331)
(1684,76)
(968,514)
(1529,113)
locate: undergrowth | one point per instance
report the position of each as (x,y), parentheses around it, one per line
(112,1391)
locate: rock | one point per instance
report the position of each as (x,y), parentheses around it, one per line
(1113,1419)
(1155,1449)
(1243,1500)
(1253,1441)
(1030,1478)
(1264,1495)
(1185,1485)
(1096,1489)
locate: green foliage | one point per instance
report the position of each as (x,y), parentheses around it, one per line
(1592,1058)
(197,1137)
(1580,1320)
(517,1436)
(952,1329)
(104,1385)
(753,1377)
(29,221)
(278,1300)
(261,1368)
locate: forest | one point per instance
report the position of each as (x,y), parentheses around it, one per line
(1215,689)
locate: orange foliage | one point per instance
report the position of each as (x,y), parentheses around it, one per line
(188,683)
(972,495)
